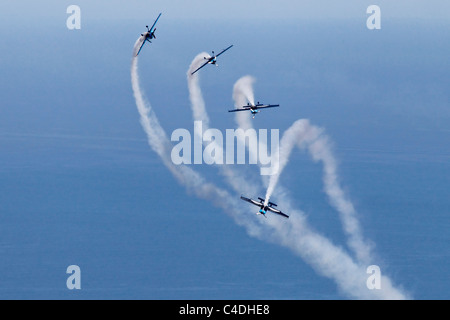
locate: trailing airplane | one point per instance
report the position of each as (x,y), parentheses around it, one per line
(254,109)
(149,35)
(264,208)
(211,60)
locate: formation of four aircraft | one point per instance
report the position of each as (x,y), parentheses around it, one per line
(253,108)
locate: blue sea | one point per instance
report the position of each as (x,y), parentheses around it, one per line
(79,184)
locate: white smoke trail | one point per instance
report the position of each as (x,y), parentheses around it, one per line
(298,134)
(200,114)
(158,141)
(243,94)
(301,134)
(137,45)
(320,150)
(304,135)
(195,93)
(157,138)
(319,252)
(328,260)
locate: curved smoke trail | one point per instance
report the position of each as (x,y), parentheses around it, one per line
(238,181)
(195,93)
(327,259)
(304,135)
(192,180)
(243,94)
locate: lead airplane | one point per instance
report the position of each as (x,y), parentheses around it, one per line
(254,109)
(149,35)
(211,60)
(264,208)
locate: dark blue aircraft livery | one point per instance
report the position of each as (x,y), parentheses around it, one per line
(211,60)
(254,109)
(149,35)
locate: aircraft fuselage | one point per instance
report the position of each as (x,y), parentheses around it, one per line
(263,210)
(148,35)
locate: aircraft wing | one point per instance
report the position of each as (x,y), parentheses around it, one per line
(151,29)
(143,42)
(267,106)
(201,67)
(277,212)
(256,203)
(240,109)
(224,50)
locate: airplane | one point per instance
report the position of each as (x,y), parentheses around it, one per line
(254,109)
(264,208)
(211,60)
(149,35)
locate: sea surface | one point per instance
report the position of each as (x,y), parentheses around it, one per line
(79,184)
